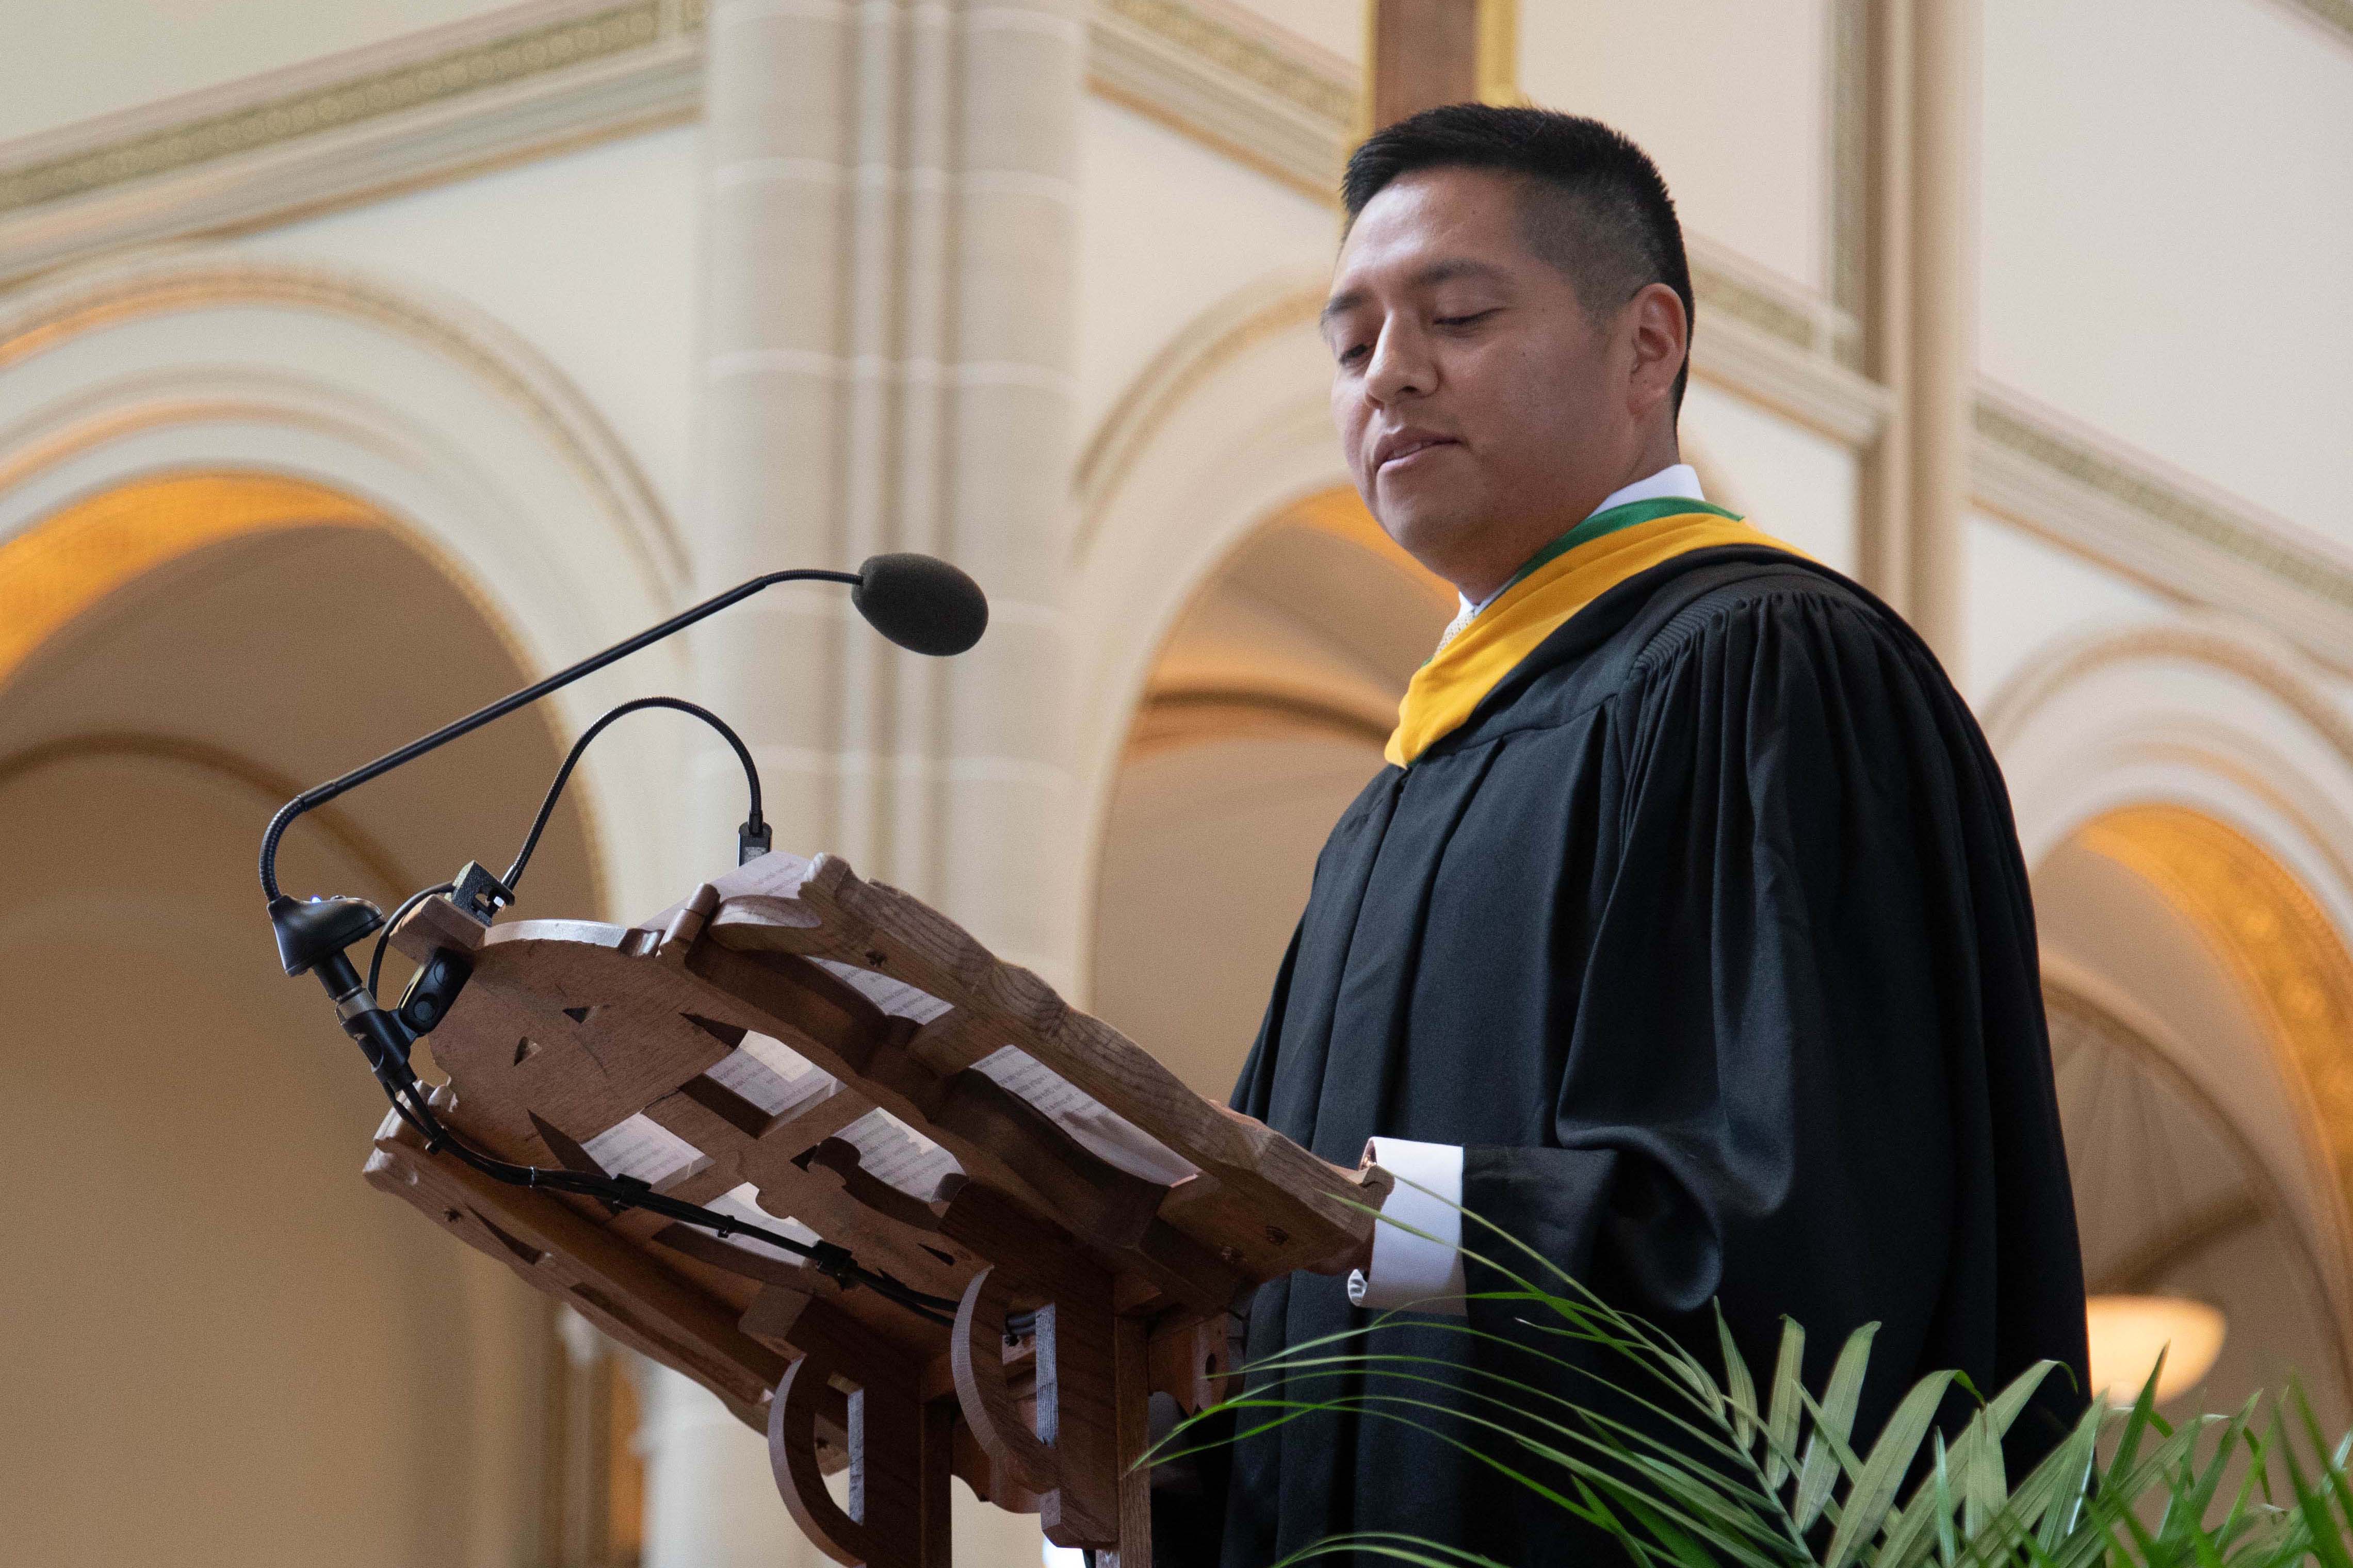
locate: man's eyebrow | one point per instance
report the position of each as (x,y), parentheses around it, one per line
(1429,277)
(1447,271)
(1340,304)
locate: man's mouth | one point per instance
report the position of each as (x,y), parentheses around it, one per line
(1411,448)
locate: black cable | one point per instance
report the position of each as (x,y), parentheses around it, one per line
(407,1095)
(564,775)
(318,795)
(834,1261)
(375,960)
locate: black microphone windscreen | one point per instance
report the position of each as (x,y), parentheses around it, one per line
(922,602)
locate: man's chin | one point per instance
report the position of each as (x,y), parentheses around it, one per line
(1431,533)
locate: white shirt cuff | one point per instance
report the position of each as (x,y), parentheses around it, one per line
(1425,1271)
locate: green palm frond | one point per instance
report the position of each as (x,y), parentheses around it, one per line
(1689,1464)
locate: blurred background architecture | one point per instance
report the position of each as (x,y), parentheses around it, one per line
(360,359)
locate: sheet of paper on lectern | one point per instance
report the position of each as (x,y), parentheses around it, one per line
(742,1203)
(895,1153)
(1105,1133)
(771,1074)
(895,998)
(643,1148)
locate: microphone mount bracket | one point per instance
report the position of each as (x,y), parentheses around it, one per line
(923,604)
(480,894)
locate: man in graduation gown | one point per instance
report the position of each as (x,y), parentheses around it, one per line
(1685,936)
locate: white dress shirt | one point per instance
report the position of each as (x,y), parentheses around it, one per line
(1425,1270)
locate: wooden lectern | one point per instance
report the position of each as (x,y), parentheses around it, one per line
(832,1059)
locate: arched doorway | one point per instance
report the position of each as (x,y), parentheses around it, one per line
(225,1348)
(1264,714)
(2200,1001)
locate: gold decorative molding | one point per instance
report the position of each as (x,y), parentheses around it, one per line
(2274,937)
(1271,102)
(520,82)
(531,53)
(1282,67)
(2165,504)
(58,569)
(2336,15)
(2126,512)
(2276,672)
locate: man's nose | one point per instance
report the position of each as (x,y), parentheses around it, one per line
(1400,365)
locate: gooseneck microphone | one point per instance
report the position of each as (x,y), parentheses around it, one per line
(919,601)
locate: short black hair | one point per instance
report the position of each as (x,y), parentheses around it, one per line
(1612,229)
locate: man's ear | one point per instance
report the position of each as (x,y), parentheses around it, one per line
(1662,333)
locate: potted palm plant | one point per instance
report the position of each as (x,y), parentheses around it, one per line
(1763,1473)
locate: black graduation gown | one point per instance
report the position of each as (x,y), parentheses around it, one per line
(1709,939)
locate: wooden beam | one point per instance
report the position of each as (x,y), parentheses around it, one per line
(1424,53)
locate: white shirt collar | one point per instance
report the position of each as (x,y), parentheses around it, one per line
(1678,479)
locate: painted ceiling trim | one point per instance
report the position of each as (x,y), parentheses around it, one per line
(519,83)
(540,78)
(2128,512)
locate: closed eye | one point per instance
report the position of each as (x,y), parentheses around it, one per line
(1473,317)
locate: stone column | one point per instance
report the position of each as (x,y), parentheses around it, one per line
(1920,338)
(886,365)
(1943,384)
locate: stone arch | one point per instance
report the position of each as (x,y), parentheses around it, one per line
(307,451)
(2184,793)
(1225,428)
(185,1126)
(432,419)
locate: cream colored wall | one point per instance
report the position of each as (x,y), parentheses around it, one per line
(590,256)
(2025,596)
(1730,98)
(70,63)
(1336,27)
(2166,219)
(1166,228)
(1791,482)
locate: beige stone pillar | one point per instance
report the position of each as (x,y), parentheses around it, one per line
(1885,557)
(889,228)
(1920,335)
(1943,382)
(887,366)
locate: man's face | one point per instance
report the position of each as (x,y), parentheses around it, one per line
(1481,409)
